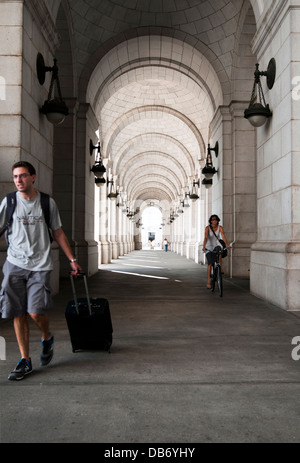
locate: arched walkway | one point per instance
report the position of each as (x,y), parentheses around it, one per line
(186,365)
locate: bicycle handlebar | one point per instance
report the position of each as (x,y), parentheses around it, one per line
(216,252)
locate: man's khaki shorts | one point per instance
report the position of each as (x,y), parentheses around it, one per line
(24,291)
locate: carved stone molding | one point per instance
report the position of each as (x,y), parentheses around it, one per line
(41,14)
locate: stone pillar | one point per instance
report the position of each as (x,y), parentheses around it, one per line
(138,245)
(63,180)
(243,189)
(11,14)
(191,240)
(120,230)
(233,194)
(199,229)
(275,257)
(86,247)
(113,229)
(103,225)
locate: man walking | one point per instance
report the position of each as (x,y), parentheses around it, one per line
(26,283)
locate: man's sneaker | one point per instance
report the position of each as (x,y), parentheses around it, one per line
(47,351)
(23,368)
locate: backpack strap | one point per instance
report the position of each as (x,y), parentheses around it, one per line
(11,205)
(215,235)
(45,203)
(11,199)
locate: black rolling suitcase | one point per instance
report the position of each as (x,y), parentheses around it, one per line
(89,321)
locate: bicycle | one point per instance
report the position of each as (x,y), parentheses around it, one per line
(216,273)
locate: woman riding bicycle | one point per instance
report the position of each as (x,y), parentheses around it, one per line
(213,232)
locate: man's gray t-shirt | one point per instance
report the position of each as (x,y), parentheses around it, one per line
(29,242)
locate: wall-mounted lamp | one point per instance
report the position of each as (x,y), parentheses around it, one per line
(100,181)
(112,194)
(180,210)
(98,168)
(130,214)
(207,183)
(258,112)
(54,107)
(121,203)
(185,202)
(193,195)
(209,171)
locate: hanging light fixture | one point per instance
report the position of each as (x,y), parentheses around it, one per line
(54,107)
(207,183)
(130,214)
(112,194)
(194,194)
(209,171)
(121,203)
(185,202)
(180,210)
(100,181)
(258,111)
(98,168)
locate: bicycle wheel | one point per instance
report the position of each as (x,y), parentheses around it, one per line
(213,278)
(219,280)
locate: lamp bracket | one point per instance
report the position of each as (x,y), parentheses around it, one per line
(92,147)
(215,149)
(270,74)
(41,69)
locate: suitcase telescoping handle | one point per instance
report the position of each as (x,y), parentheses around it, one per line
(86,290)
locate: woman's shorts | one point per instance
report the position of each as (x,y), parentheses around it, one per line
(24,291)
(210,257)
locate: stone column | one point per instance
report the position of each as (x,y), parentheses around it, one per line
(103,225)
(275,257)
(233,194)
(63,179)
(84,192)
(243,189)
(10,97)
(113,229)
(191,242)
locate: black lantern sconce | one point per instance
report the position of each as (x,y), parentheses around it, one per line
(194,194)
(209,170)
(258,112)
(54,107)
(121,203)
(185,202)
(98,168)
(207,182)
(129,213)
(112,194)
(180,210)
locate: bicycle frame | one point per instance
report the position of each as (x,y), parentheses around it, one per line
(216,274)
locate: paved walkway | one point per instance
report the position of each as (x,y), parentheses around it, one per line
(186,365)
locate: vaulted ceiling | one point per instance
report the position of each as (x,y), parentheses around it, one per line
(154,73)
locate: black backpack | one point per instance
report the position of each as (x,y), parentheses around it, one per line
(11,205)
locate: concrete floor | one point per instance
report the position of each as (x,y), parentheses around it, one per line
(186,365)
